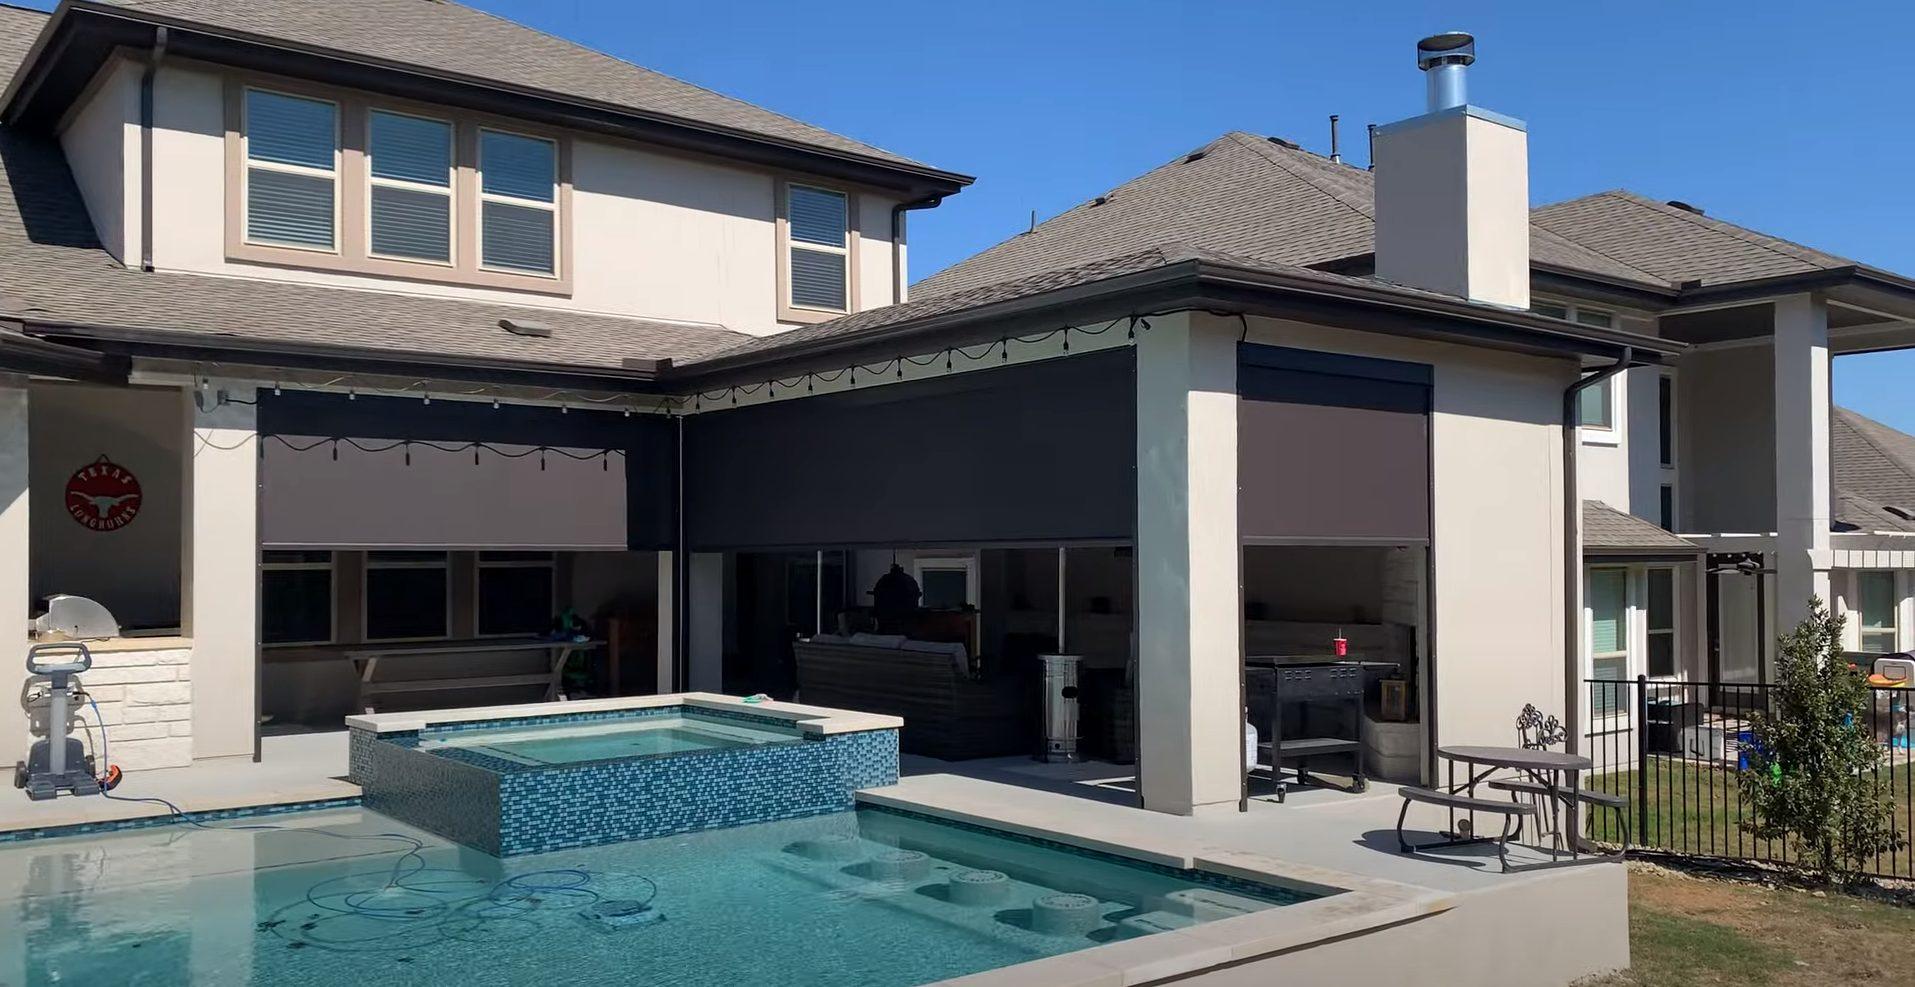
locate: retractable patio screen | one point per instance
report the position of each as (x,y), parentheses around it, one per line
(1038,452)
(1332,448)
(408,477)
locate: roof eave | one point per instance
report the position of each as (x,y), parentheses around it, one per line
(87,31)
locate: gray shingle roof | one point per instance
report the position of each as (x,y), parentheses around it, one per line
(1239,194)
(1874,467)
(1606,529)
(1676,244)
(448,38)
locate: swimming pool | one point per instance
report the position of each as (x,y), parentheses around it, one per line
(870,897)
(653,736)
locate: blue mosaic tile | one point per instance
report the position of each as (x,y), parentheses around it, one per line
(506,808)
(183,819)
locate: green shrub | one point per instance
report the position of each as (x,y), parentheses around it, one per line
(1811,777)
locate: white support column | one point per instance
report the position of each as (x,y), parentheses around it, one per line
(1189,613)
(219,609)
(705,621)
(1802,478)
(15,589)
(667,624)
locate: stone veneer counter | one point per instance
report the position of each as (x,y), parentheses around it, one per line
(431,769)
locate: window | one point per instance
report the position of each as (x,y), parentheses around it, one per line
(1666,420)
(1667,507)
(518,203)
(1596,405)
(1570,312)
(295,597)
(1661,590)
(948,584)
(515,593)
(406,596)
(292,170)
(1876,591)
(1606,601)
(409,193)
(818,248)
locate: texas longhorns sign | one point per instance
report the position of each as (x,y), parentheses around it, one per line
(103,495)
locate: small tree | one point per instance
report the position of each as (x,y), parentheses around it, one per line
(1811,775)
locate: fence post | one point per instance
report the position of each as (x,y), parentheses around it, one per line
(1641,732)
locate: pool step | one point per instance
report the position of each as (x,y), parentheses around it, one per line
(1209,904)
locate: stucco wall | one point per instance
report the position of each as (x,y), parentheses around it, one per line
(101,141)
(134,570)
(1496,439)
(655,235)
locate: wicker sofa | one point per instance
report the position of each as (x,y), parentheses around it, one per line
(948,713)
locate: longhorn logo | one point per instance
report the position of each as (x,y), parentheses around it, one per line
(103,495)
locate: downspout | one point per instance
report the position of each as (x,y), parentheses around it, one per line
(897,242)
(1572,546)
(146,147)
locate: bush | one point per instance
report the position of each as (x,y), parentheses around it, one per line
(1811,777)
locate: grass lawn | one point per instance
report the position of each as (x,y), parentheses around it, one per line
(1702,932)
(1697,809)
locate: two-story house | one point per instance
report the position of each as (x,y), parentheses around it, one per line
(346,344)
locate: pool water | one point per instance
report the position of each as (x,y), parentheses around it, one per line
(347,897)
(646,736)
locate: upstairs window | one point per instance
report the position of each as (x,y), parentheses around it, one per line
(518,203)
(1596,405)
(817,248)
(409,177)
(292,170)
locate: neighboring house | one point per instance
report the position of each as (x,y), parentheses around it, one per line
(414,326)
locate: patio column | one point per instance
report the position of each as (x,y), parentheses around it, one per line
(667,651)
(219,609)
(705,622)
(1802,478)
(15,590)
(1189,615)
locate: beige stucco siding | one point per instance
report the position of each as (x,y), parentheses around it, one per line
(654,235)
(1496,442)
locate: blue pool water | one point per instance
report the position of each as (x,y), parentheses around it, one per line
(348,897)
(547,744)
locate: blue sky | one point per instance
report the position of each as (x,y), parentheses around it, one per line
(1789,118)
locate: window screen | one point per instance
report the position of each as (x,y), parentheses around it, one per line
(518,193)
(291,169)
(819,231)
(411,196)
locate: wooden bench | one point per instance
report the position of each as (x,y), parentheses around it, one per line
(1511,811)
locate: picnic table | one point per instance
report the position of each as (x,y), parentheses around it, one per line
(1545,768)
(368,658)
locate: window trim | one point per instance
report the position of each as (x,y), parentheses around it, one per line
(450,189)
(331,566)
(337,175)
(966,564)
(787,310)
(352,198)
(480,197)
(365,591)
(479,564)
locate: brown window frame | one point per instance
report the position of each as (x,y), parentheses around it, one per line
(351,253)
(787,310)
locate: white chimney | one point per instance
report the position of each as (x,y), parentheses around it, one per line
(1452,189)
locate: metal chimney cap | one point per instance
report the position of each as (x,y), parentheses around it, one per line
(1450,47)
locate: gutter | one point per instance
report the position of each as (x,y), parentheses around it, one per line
(146,147)
(1572,546)
(897,241)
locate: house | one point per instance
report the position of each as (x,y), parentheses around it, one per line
(338,335)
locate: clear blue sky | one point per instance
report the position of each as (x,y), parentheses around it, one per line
(1786,117)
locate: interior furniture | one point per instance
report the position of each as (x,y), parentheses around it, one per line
(948,714)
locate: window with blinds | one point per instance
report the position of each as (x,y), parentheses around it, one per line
(292,170)
(409,177)
(1876,589)
(1606,603)
(518,203)
(818,248)
(1660,589)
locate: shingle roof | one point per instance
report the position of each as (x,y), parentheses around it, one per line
(1874,467)
(1239,194)
(449,38)
(1606,529)
(1676,244)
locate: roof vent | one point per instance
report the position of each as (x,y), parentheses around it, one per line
(1195,156)
(1685,207)
(1900,512)
(1292,145)
(523,327)
(1445,58)
(1100,200)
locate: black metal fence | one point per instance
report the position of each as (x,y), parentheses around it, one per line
(1675,749)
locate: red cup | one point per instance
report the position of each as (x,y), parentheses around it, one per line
(1342,646)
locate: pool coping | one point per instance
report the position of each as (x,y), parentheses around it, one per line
(812,720)
(1348,904)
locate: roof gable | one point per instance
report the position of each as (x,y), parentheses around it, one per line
(1874,466)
